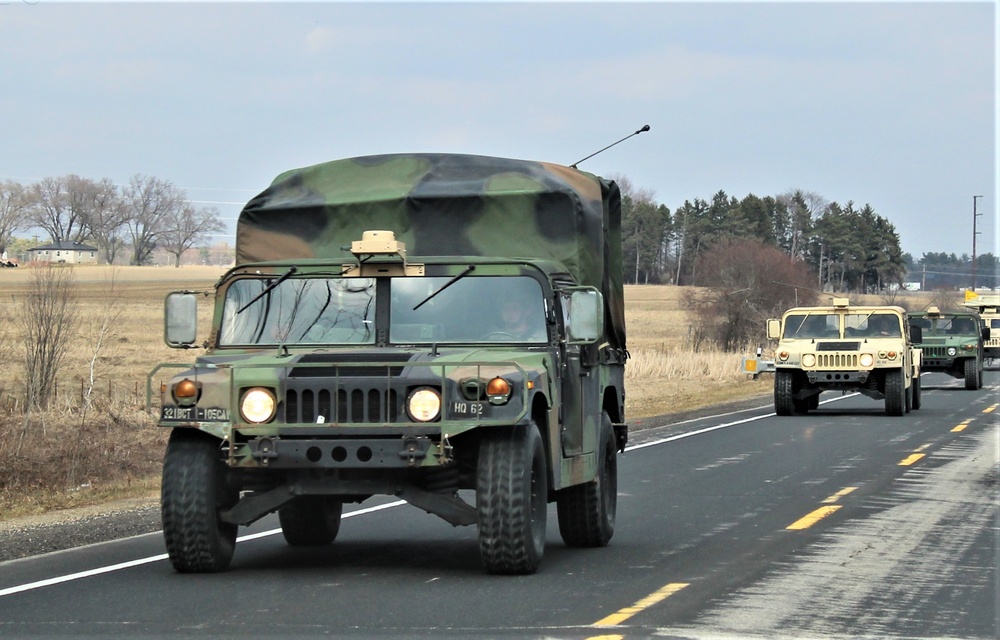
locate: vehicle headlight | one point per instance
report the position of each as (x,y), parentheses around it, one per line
(952,351)
(257,405)
(424,404)
(866,360)
(809,360)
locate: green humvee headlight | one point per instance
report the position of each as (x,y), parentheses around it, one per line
(257,405)
(424,404)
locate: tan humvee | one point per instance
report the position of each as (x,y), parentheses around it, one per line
(842,347)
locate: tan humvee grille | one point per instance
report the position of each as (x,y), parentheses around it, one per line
(836,360)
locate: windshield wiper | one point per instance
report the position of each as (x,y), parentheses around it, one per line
(268,289)
(468,269)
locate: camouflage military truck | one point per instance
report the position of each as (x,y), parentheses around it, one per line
(842,347)
(988,307)
(435,327)
(952,343)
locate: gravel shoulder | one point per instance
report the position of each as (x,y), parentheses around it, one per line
(66,529)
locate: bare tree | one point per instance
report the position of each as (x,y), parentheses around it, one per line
(148,204)
(106,219)
(60,206)
(48,318)
(101,332)
(14,208)
(188,227)
(751,281)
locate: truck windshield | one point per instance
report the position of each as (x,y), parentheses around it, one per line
(341,311)
(872,325)
(813,325)
(948,326)
(473,309)
(299,310)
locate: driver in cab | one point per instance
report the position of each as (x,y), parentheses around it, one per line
(521,321)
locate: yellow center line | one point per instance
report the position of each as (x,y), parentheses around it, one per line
(961,426)
(990,409)
(626,613)
(911,459)
(840,494)
(814,517)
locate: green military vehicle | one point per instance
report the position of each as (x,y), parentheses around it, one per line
(414,325)
(846,348)
(952,343)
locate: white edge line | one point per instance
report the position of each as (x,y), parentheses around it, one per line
(688,434)
(263,534)
(135,563)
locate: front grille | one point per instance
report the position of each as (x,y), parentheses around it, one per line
(935,352)
(356,405)
(836,361)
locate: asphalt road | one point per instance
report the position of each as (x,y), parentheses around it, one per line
(843,523)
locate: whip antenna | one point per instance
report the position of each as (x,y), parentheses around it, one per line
(644,128)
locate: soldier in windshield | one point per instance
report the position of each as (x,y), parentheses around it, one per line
(882,325)
(522,320)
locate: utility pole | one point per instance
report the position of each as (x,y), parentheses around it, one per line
(974,234)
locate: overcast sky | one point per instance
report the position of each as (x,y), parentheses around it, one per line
(891,104)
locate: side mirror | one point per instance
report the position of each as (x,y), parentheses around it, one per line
(585,322)
(180,319)
(986,333)
(916,334)
(774,328)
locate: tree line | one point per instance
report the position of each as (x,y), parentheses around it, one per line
(139,217)
(848,248)
(950,271)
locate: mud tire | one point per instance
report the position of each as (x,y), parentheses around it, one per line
(193,494)
(895,393)
(511,500)
(784,393)
(973,379)
(587,511)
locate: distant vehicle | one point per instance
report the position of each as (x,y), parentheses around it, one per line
(988,307)
(842,347)
(952,343)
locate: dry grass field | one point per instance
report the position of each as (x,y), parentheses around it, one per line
(67,456)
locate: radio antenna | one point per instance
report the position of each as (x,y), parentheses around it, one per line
(644,128)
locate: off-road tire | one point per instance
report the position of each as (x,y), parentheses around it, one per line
(972,379)
(310,521)
(895,393)
(193,494)
(587,511)
(784,393)
(511,499)
(915,400)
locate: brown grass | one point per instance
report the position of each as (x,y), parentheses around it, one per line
(64,457)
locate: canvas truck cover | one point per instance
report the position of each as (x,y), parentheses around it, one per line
(445,205)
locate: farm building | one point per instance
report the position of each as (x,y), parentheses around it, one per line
(68,252)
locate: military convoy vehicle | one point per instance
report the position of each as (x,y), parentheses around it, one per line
(444,328)
(952,343)
(846,348)
(988,307)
